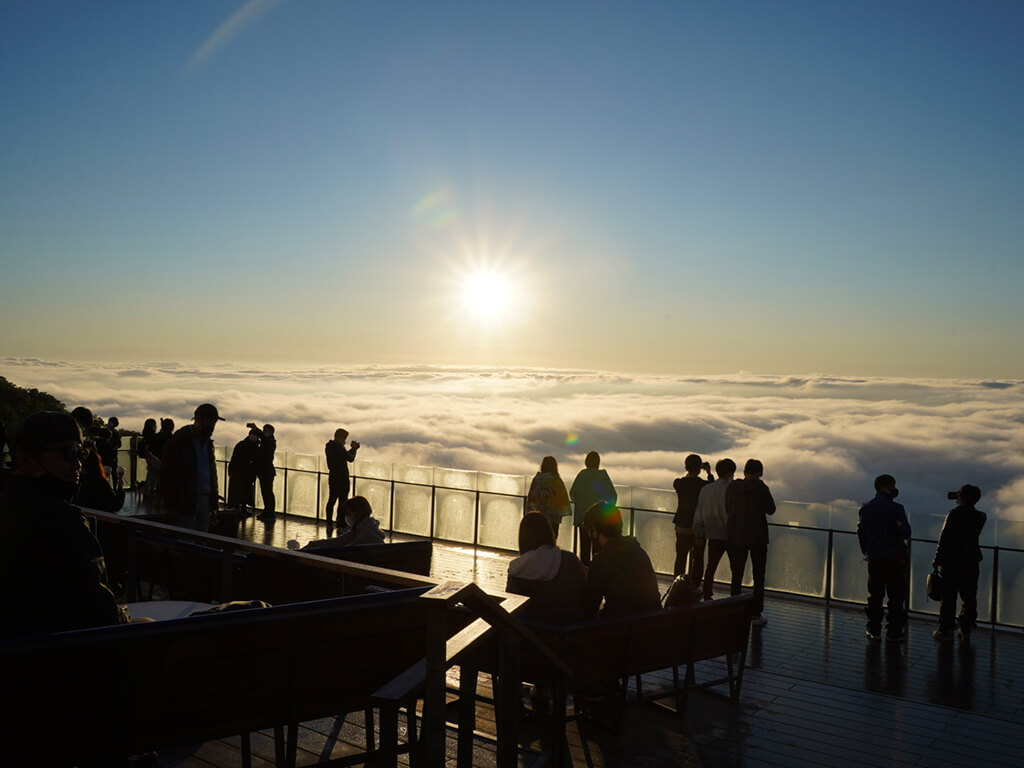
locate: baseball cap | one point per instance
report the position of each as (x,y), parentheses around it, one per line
(44,428)
(208,411)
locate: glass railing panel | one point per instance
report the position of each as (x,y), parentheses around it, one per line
(301,493)
(373,469)
(1008,533)
(844,517)
(220,452)
(499,521)
(801,515)
(412,509)
(1010,600)
(565,534)
(491,482)
(455,478)
(377,492)
(625,496)
(849,569)
(926,525)
(454,515)
(409,473)
(921,555)
(302,461)
(797,561)
(655,499)
(657,535)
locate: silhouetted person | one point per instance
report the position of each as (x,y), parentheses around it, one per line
(144,452)
(883,530)
(688,490)
(360,525)
(711,522)
(53,576)
(165,434)
(338,479)
(552,578)
(94,491)
(591,485)
(188,472)
(748,502)
(242,473)
(266,472)
(548,495)
(115,441)
(620,574)
(957,557)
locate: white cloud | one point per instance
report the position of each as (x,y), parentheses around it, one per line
(822,438)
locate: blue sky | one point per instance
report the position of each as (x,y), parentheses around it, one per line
(659,187)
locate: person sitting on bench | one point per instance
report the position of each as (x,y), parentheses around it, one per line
(361,526)
(621,573)
(552,578)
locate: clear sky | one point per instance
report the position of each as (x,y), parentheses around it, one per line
(784,187)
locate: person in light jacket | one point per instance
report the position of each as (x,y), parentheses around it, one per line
(548,495)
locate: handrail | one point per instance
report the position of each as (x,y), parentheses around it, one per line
(429,675)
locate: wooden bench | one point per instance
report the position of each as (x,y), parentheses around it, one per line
(600,651)
(116,691)
(408,556)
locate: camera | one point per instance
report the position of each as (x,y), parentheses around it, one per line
(953,495)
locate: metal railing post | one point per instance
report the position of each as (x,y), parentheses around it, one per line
(994,599)
(829,567)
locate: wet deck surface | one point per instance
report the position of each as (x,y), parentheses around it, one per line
(816,693)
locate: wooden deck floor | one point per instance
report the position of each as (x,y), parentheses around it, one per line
(816,693)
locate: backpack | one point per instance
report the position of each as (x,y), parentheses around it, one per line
(682,591)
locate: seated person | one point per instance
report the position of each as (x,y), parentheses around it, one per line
(360,526)
(94,491)
(552,578)
(621,573)
(53,577)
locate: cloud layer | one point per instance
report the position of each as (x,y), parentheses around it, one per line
(822,438)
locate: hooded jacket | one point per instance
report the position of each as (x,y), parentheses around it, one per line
(748,502)
(366,531)
(553,579)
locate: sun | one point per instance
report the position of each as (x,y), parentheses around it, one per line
(487,295)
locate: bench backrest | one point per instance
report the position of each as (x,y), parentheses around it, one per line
(124,690)
(600,649)
(408,556)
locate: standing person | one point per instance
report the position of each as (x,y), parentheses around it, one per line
(242,473)
(143,452)
(156,446)
(711,523)
(688,490)
(548,495)
(114,424)
(53,577)
(266,472)
(748,502)
(188,472)
(620,574)
(957,556)
(338,480)
(883,530)
(591,485)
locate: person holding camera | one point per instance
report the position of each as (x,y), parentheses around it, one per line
(265,471)
(688,489)
(957,557)
(883,530)
(338,480)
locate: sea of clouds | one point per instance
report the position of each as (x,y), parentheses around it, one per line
(822,438)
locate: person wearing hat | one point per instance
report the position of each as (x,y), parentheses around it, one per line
(53,577)
(958,555)
(621,573)
(188,473)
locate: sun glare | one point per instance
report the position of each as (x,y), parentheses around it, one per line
(486,295)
